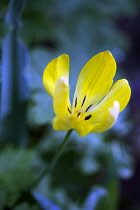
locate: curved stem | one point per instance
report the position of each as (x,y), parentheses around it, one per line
(55,159)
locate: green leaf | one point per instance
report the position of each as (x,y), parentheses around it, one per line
(16,174)
(25,206)
(112,187)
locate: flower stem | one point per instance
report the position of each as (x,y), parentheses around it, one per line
(60,150)
(55,159)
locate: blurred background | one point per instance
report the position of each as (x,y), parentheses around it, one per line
(96,172)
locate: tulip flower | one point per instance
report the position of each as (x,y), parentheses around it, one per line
(97,102)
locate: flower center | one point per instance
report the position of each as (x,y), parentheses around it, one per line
(80,113)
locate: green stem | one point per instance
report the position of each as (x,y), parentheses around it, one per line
(55,159)
(60,150)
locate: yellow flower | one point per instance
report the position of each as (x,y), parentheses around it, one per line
(96,103)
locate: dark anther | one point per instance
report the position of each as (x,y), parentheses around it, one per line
(83,101)
(69,110)
(75,102)
(88,107)
(88,117)
(78,114)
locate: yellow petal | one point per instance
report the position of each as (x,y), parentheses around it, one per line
(71,122)
(119,92)
(63,123)
(61,101)
(83,129)
(108,119)
(58,67)
(95,79)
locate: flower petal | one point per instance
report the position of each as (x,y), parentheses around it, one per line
(71,122)
(95,79)
(58,67)
(61,101)
(108,119)
(119,92)
(63,123)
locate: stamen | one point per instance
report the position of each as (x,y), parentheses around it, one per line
(75,102)
(69,110)
(88,117)
(78,114)
(88,107)
(83,100)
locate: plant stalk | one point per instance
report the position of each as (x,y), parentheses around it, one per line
(55,159)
